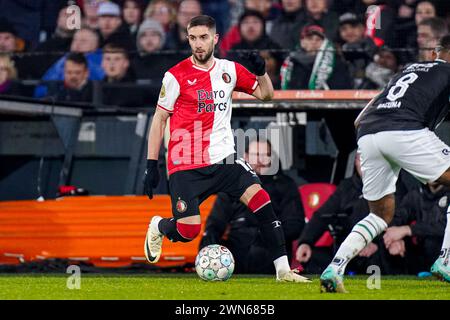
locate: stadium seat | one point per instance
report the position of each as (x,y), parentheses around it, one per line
(313,196)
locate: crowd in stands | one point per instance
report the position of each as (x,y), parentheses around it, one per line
(307,44)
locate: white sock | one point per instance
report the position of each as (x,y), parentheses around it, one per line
(361,235)
(445,251)
(281,265)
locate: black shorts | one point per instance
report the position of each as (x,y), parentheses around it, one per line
(189,188)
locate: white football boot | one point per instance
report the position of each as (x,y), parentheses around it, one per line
(153,241)
(292,276)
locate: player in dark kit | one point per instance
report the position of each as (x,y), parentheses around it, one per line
(196,95)
(395,131)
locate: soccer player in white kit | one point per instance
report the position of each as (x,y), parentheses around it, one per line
(395,131)
(196,96)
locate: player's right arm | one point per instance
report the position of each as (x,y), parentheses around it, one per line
(170,90)
(156,133)
(155,136)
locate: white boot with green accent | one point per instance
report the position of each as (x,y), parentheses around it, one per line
(441,268)
(331,281)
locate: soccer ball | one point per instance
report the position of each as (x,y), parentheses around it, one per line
(214,263)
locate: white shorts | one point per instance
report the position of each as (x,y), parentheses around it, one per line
(383,154)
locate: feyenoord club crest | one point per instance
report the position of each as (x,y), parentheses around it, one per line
(181,206)
(226,77)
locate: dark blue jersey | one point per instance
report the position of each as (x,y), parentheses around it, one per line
(417,97)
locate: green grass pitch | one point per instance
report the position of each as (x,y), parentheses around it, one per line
(189,286)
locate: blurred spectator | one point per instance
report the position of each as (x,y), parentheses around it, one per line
(150,64)
(111,26)
(252,32)
(418,227)
(407,33)
(50,11)
(8,76)
(163,12)
(380,22)
(405,9)
(269,10)
(76,86)
(287,26)
(429,31)
(9,41)
(357,48)
(316,65)
(317,13)
(220,11)
(132,15)
(61,38)
(119,87)
(90,8)
(84,41)
(381,70)
(231,220)
(25,15)
(232,36)
(345,207)
(177,37)
(151,36)
(116,64)
(424,10)
(253,37)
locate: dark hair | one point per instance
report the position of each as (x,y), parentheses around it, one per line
(115,48)
(77,58)
(438,26)
(444,42)
(258,139)
(202,20)
(252,13)
(394,52)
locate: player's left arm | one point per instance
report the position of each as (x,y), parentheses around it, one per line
(254,80)
(264,90)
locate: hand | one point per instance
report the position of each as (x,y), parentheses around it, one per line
(255,63)
(395,233)
(397,248)
(303,253)
(151,177)
(369,250)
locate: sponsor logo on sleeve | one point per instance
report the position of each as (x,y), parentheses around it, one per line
(162,93)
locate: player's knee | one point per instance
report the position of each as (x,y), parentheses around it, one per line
(259,200)
(188,231)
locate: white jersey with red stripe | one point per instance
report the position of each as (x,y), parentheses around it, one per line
(199,101)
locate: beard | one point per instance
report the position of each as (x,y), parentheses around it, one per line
(203,56)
